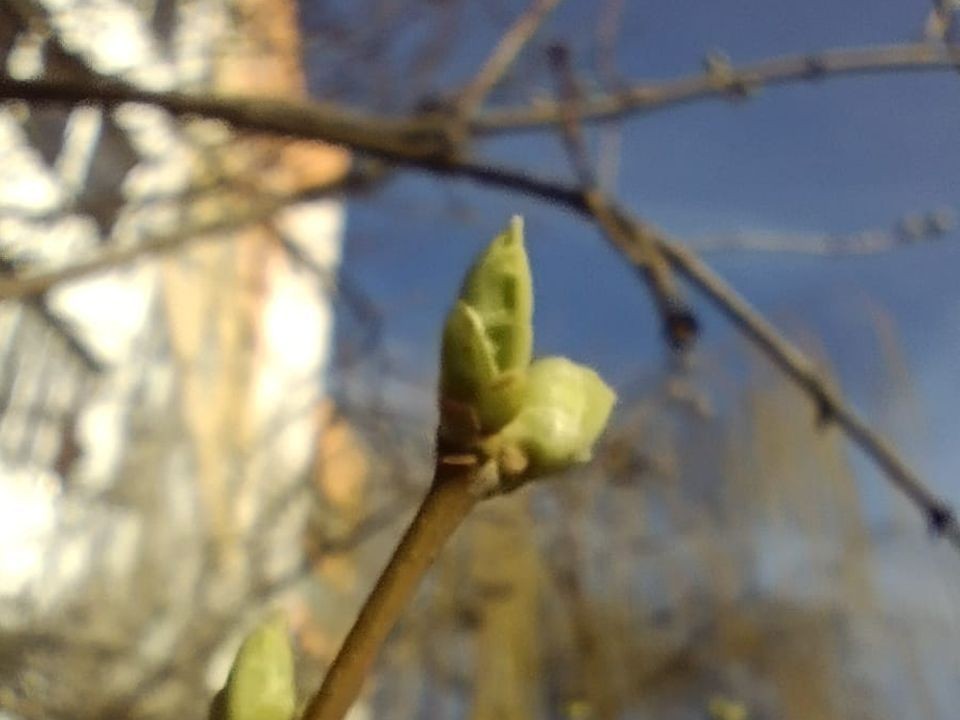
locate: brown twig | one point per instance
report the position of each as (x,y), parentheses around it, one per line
(913,229)
(31,285)
(679,323)
(804,373)
(503,56)
(647,97)
(394,139)
(447,503)
(608,32)
(427,138)
(941,21)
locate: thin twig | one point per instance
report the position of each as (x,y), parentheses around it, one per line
(679,323)
(58,325)
(914,230)
(785,244)
(31,285)
(405,140)
(608,32)
(394,139)
(941,21)
(429,137)
(503,56)
(803,372)
(447,503)
(647,97)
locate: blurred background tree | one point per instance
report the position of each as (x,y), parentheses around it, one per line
(186,439)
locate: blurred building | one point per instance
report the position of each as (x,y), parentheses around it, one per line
(158,419)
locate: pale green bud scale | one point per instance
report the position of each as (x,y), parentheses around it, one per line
(565,408)
(261,682)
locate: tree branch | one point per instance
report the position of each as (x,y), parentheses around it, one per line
(31,285)
(914,229)
(428,137)
(447,503)
(503,56)
(679,323)
(734,82)
(425,143)
(395,139)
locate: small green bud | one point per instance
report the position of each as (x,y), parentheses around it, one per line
(722,708)
(469,364)
(565,408)
(261,682)
(499,288)
(488,335)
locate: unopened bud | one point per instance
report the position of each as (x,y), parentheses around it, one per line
(261,681)
(565,408)
(488,336)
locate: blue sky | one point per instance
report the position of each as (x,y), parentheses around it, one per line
(835,156)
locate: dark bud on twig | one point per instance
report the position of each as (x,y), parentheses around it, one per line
(825,409)
(558,54)
(680,326)
(816,67)
(435,105)
(940,517)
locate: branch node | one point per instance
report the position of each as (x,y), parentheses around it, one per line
(825,406)
(814,67)
(940,518)
(680,325)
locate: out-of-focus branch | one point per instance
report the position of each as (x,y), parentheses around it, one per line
(941,22)
(428,137)
(608,33)
(503,56)
(426,143)
(913,229)
(395,139)
(31,285)
(804,373)
(53,321)
(733,82)
(679,323)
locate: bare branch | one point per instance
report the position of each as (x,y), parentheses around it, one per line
(679,323)
(912,229)
(399,140)
(428,137)
(804,373)
(941,21)
(647,97)
(32,285)
(503,56)
(424,143)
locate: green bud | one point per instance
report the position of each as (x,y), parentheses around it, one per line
(469,364)
(261,682)
(722,708)
(499,288)
(488,335)
(565,408)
